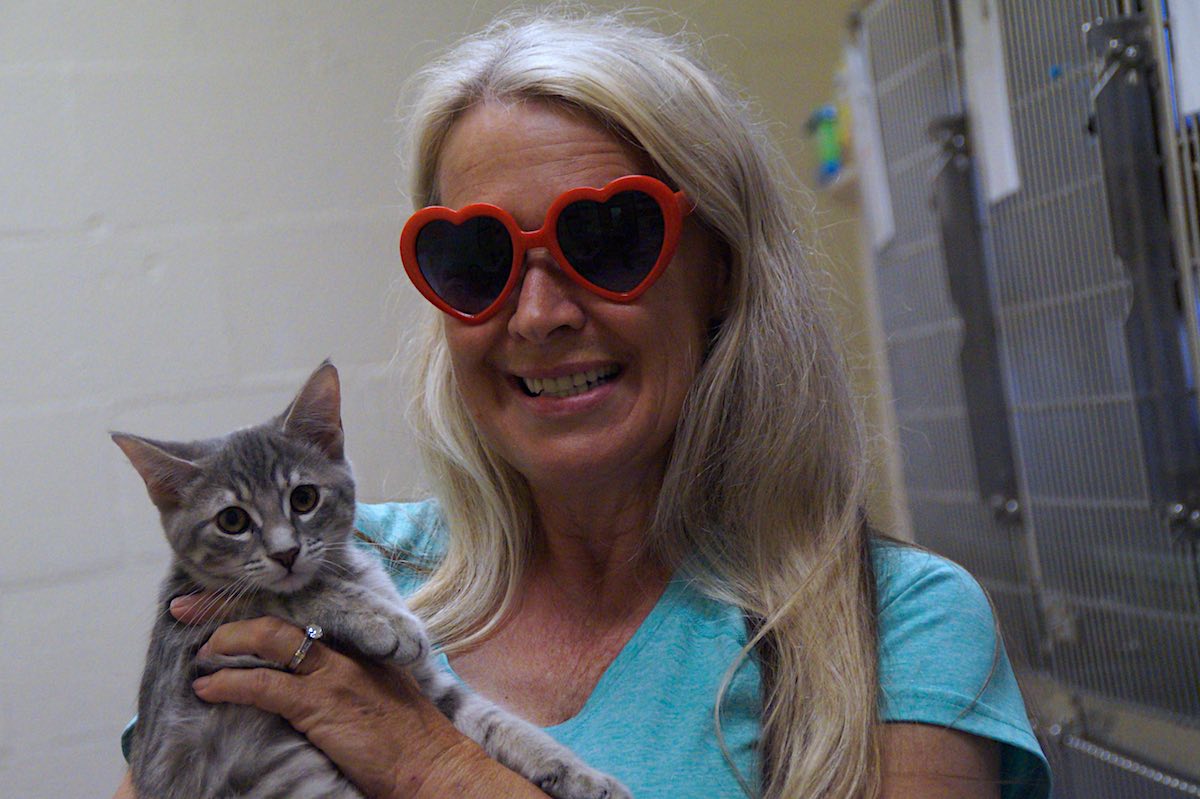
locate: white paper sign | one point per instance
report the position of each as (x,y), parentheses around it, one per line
(987,98)
(1185,45)
(868,147)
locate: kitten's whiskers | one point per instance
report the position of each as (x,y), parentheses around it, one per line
(225,598)
(334,564)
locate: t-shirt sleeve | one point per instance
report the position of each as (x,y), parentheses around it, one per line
(127,738)
(941,662)
(408,536)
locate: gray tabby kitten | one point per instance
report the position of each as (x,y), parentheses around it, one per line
(262,518)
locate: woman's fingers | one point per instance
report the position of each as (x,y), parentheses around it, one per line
(326,695)
(359,714)
(273,690)
(201,607)
(267,689)
(266,638)
(190,608)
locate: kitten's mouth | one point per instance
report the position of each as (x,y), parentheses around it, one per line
(568,385)
(290,582)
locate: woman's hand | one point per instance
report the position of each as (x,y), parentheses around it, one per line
(361,716)
(372,722)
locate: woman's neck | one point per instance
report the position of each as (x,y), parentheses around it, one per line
(596,554)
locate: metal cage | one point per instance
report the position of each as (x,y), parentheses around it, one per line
(1042,348)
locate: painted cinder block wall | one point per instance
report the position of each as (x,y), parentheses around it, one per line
(200,201)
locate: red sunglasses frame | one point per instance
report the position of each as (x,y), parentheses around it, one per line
(674,205)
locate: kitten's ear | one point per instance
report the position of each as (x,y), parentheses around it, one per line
(165,474)
(316,413)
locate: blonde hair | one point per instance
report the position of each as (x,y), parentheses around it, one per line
(764,487)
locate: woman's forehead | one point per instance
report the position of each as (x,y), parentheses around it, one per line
(536,143)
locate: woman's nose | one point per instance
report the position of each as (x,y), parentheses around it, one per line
(547,299)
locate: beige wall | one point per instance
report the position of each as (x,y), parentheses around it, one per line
(201,201)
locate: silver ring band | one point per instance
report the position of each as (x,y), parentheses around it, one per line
(311,633)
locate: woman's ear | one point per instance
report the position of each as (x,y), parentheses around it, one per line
(721,290)
(722,282)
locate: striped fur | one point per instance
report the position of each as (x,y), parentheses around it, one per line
(303,568)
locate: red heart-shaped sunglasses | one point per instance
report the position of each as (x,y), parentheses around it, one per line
(613,241)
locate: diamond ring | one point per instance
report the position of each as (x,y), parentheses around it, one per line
(311,633)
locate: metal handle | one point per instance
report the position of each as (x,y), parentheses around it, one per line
(979,360)
(1124,122)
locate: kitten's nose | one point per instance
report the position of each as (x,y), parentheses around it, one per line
(287,557)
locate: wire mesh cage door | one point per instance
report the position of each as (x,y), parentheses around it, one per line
(935,315)
(1084,266)
(1088,308)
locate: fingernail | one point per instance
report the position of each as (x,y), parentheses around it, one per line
(181,603)
(199,684)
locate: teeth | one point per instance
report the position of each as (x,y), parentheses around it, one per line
(569,385)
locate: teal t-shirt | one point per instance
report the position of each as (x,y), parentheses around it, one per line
(649,720)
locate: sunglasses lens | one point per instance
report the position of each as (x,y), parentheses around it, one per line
(613,244)
(466,265)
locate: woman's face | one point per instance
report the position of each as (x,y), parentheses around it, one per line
(630,365)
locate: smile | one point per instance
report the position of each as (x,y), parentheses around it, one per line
(568,385)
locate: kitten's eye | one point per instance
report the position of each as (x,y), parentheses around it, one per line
(304,498)
(233,520)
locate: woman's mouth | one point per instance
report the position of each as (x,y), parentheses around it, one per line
(568,385)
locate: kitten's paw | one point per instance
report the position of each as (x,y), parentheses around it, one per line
(411,645)
(207,665)
(568,781)
(395,638)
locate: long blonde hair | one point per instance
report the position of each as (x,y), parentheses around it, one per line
(765,483)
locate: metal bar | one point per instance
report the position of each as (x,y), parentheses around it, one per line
(1169,126)
(1109,757)
(1124,114)
(979,360)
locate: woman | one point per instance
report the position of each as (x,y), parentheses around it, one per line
(649,470)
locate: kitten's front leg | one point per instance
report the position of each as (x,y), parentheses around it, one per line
(535,755)
(519,745)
